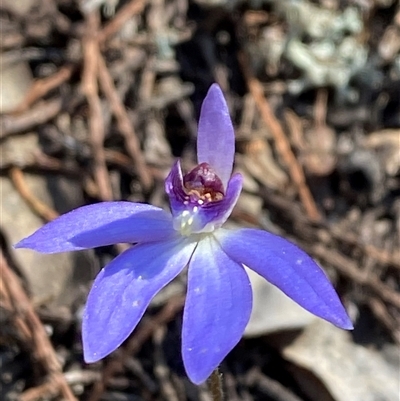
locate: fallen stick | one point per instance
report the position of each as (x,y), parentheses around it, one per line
(26,321)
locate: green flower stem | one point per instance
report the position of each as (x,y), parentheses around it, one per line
(215,385)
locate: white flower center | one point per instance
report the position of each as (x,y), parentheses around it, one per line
(188,222)
(184,222)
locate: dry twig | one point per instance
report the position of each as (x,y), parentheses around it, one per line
(349,269)
(380,311)
(282,143)
(269,387)
(41,87)
(124,124)
(27,323)
(40,114)
(132,8)
(41,209)
(91,53)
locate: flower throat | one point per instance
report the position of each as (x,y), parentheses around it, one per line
(203,184)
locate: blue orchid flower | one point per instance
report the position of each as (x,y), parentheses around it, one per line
(219,298)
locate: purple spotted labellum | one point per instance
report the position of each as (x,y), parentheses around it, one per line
(219,298)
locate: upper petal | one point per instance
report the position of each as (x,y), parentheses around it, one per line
(101,224)
(216,138)
(217,309)
(289,268)
(123,290)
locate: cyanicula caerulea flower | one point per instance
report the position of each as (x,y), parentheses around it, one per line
(219,297)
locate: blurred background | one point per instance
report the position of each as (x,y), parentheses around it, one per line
(98,97)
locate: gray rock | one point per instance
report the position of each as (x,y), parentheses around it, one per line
(52,279)
(347,371)
(272,310)
(15,81)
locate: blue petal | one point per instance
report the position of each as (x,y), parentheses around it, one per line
(101,224)
(216,138)
(217,309)
(289,268)
(206,217)
(123,290)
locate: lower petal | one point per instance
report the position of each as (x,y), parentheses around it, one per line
(123,290)
(289,268)
(217,309)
